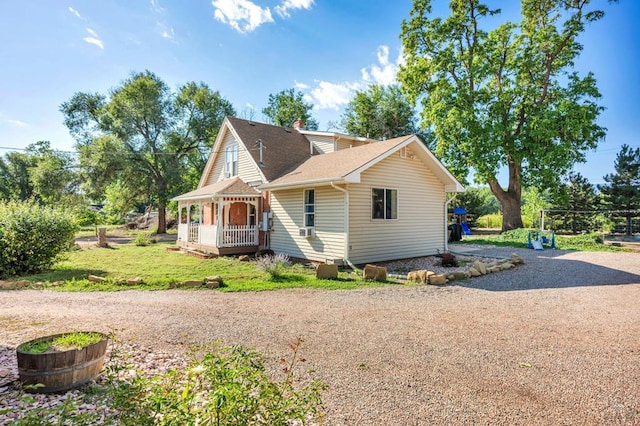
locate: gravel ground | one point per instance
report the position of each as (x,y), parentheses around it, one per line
(554,341)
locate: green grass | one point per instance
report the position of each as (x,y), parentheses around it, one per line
(518,238)
(64,342)
(160,268)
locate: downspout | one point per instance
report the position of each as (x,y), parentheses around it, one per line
(346,225)
(446,221)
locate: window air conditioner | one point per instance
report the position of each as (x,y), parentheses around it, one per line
(306,232)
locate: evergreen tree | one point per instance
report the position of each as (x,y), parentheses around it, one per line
(575,196)
(622,190)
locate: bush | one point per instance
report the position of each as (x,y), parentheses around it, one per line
(493,221)
(274,265)
(32,237)
(448,260)
(143,239)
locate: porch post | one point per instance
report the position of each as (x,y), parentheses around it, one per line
(219,222)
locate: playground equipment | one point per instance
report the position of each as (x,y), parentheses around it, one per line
(537,240)
(460,214)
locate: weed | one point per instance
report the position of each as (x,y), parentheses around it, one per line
(274,265)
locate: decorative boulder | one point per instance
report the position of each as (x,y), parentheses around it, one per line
(135,281)
(192,283)
(516,260)
(437,279)
(474,272)
(96,279)
(418,276)
(214,281)
(459,275)
(374,273)
(243,258)
(480,267)
(326,272)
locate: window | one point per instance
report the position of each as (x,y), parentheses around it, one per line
(231,161)
(309,207)
(252,215)
(384,203)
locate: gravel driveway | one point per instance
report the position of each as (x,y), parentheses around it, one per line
(554,341)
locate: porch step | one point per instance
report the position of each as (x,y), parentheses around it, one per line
(198,254)
(172,248)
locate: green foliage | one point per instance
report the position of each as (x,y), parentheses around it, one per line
(79,339)
(225,386)
(506,95)
(519,238)
(32,237)
(287,106)
(145,135)
(622,189)
(533,202)
(492,221)
(119,199)
(575,196)
(379,112)
(478,201)
(143,239)
(273,265)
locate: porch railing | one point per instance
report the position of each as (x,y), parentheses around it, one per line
(239,236)
(194,233)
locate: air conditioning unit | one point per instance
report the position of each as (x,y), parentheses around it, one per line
(307,232)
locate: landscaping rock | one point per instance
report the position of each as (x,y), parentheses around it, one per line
(6,285)
(214,281)
(493,269)
(135,281)
(506,265)
(516,260)
(21,283)
(96,279)
(244,258)
(473,272)
(459,275)
(375,273)
(480,267)
(418,276)
(326,272)
(192,283)
(437,279)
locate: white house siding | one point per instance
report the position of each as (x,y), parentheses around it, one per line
(247,170)
(328,243)
(324,144)
(419,229)
(347,143)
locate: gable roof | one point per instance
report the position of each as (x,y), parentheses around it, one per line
(229,187)
(346,165)
(283,148)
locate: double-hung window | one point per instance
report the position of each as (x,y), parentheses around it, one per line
(309,208)
(231,161)
(384,203)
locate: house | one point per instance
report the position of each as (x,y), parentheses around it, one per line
(320,196)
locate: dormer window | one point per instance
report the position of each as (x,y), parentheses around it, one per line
(231,161)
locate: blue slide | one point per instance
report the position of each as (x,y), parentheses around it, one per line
(465,228)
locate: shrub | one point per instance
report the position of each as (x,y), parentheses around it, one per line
(32,237)
(274,265)
(143,239)
(448,260)
(492,221)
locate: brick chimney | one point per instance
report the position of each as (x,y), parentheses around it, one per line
(298,124)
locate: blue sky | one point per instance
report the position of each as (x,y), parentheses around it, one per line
(248,49)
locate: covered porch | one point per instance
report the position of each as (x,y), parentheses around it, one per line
(220,218)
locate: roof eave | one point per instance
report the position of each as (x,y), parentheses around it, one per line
(301,184)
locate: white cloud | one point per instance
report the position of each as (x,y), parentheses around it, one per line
(75,12)
(18,123)
(156,6)
(170,33)
(327,95)
(242,15)
(94,39)
(286,5)
(383,73)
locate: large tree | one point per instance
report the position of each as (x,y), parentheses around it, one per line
(506,97)
(145,134)
(379,112)
(286,107)
(622,189)
(41,173)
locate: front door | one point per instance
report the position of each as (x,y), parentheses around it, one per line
(238,214)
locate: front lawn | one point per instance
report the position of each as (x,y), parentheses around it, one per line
(160,268)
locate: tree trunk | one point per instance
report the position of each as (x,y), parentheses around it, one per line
(511,199)
(162,216)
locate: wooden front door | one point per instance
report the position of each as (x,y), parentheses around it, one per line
(238,214)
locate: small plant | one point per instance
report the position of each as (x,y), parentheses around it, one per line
(448,260)
(274,265)
(143,239)
(63,342)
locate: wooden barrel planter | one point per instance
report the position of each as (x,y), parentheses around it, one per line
(59,371)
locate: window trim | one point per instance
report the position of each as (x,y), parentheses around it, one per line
(231,153)
(384,201)
(305,213)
